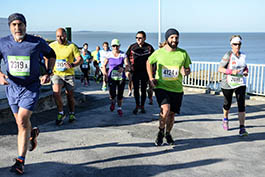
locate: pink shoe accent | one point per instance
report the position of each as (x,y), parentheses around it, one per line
(225,124)
(120,112)
(112,107)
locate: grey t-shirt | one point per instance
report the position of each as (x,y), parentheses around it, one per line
(225,62)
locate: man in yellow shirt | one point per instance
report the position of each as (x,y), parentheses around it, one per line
(67,57)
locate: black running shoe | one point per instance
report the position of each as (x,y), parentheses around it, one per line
(143,110)
(135,111)
(60,118)
(72,118)
(159,139)
(169,139)
(33,138)
(18,167)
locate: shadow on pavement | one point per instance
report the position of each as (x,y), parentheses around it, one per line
(56,169)
(181,145)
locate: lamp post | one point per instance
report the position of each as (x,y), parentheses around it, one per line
(159,23)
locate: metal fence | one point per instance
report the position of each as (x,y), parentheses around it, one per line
(206,75)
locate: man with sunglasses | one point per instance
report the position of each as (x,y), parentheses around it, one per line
(138,54)
(21,54)
(234,67)
(168,82)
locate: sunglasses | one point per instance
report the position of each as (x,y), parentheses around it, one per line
(139,38)
(115,46)
(239,44)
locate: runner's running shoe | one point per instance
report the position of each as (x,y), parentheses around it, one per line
(112,107)
(225,124)
(159,139)
(72,118)
(60,118)
(33,138)
(143,110)
(18,167)
(169,139)
(135,111)
(120,112)
(104,88)
(243,132)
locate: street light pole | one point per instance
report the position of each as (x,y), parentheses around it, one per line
(159,23)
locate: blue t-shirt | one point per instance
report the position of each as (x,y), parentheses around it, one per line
(22,59)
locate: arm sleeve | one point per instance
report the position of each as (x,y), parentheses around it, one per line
(51,54)
(128,52)
(225,60)
(76,51)
(152,49)
(44,47)
(187,61)
(153,58)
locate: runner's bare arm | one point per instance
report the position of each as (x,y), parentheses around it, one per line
(186,71)
(149,69)
(104,66)
(127,64)
(3,78)
(79,61)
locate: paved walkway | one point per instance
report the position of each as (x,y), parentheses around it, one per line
(100,143)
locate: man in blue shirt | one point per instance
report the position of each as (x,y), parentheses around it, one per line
(21,55)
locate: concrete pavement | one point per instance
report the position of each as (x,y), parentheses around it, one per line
(100,143)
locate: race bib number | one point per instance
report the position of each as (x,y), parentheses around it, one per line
(236,81)
(170,73)
(19,65)
(116,75)
(60,64)
(85,66)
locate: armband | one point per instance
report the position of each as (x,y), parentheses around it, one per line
(228,71)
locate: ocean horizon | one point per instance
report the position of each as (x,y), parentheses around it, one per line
(205,46)
(202,46)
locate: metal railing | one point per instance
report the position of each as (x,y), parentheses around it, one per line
(206,75)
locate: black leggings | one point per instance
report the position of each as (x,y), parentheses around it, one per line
(136,78)
(240,97)
(113,87)
(85,72)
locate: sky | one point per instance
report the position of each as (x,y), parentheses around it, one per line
(135,15)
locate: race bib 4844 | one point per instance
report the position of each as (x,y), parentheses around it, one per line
(19,65)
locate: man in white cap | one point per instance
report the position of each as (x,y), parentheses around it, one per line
(168,82)
(22,60)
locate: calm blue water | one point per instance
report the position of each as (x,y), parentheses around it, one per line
(200,46)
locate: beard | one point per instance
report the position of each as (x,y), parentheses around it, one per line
(19,37)
(173,45)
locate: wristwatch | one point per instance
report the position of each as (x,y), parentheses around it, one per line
(72,64)
(49,71)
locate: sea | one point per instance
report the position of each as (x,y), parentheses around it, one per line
(209,47)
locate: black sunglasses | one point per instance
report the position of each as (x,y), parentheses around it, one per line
(138,37)
(115,46)
(239,44)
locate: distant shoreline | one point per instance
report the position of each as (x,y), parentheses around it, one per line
(84,31)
